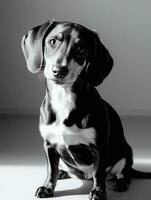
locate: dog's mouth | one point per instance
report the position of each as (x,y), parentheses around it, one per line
(59,81)
(61,77)
(63,80)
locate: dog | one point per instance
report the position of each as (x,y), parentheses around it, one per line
(83,135)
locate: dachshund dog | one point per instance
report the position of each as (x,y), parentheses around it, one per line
(82,134)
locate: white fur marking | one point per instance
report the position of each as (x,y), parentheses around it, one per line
(62,101)
(88,170)
(60,134)
(118,167)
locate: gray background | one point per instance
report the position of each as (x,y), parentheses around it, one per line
(124,27)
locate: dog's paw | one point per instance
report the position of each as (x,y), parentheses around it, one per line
(120,185)
(44,192)
(97,195)
(62,174)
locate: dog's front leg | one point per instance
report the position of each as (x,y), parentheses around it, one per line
(47,190)
(98,191)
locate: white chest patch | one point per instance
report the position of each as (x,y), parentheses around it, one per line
(62,102)
(63,135)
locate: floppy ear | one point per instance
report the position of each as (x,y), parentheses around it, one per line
(100,62)
(32,46)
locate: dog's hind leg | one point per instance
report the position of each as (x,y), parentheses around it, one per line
(122,178)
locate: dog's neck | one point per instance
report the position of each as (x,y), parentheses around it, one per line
(63,98)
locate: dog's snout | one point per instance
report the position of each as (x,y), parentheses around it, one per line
(60,72)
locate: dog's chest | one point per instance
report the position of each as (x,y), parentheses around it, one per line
(60,134)
(63,102)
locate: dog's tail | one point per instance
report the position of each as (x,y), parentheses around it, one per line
(139,174)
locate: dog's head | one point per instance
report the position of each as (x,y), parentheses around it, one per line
(66,51)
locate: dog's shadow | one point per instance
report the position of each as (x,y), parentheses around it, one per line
(70,186)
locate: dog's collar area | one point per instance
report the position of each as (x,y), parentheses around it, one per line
(77,87)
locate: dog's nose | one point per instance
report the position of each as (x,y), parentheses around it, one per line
(60,72)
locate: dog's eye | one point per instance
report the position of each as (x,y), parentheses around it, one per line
(79,48)
(53,42)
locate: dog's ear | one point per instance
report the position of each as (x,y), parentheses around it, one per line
(100,62)
(32,45)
